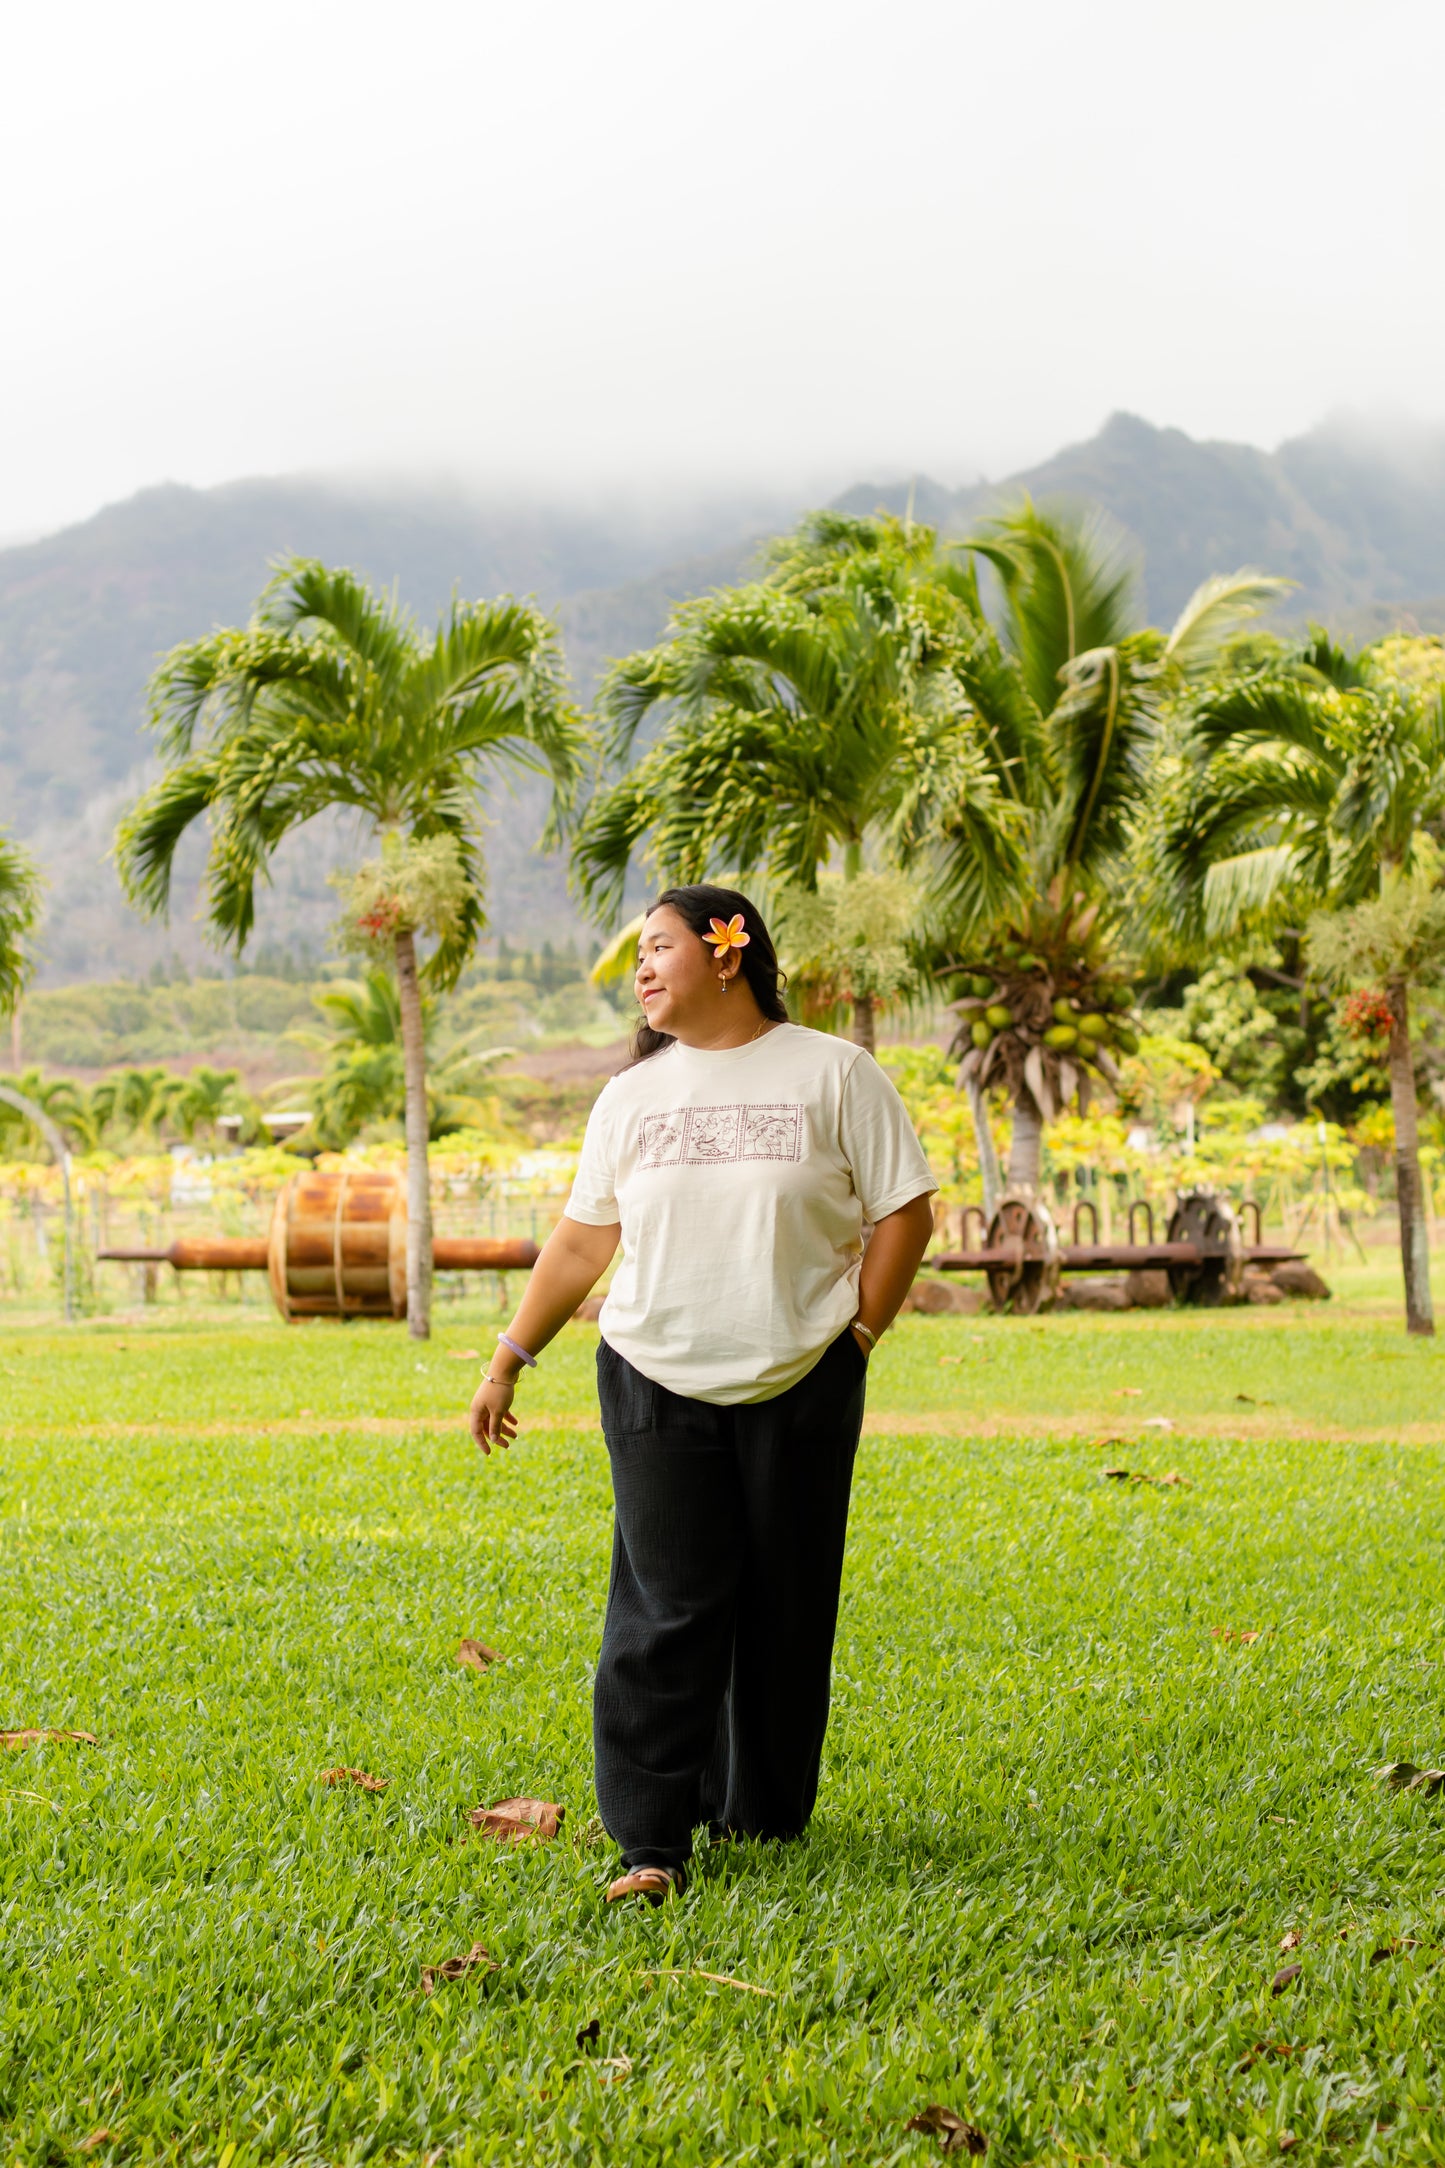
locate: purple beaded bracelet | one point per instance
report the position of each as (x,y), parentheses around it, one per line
(505,1340)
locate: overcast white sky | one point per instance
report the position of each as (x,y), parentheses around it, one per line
(798,242)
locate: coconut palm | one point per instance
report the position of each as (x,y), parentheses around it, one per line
(1070,695)
(1318,783)
(332,697)
(810,715)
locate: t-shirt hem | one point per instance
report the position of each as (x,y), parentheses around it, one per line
(898,1198)
(591,1215)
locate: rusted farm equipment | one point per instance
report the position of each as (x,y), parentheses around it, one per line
(337,1247)
(1203,1251)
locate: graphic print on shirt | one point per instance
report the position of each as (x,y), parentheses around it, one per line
(720,1136)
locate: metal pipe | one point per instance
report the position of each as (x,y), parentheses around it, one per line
(1123,1256)
(222,1253)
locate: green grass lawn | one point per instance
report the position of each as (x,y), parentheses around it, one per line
(1065,1824)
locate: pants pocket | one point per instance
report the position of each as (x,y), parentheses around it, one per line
(629,1401)
(850,1338)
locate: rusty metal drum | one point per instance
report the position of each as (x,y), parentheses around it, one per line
(338,1245)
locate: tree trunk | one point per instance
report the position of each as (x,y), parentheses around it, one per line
(863,1020)
(1025,1152)
(987,1154)
(1414,1235)
(418,1186)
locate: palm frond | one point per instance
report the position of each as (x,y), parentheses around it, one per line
(21,888)
(617,963)
(306,595)
(1102,733)
(150,833)
(1279,709)
(1069,579)
(1248,885)
(608,835)
(1217,612)
(1328,663)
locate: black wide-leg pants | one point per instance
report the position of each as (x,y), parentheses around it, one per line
(712,1685)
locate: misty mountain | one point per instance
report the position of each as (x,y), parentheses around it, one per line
(1359,525)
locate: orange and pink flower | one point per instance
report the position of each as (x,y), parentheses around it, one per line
(729,935)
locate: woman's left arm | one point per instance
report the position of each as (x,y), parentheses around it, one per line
(894,1254)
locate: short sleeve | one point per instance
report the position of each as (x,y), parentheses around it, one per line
(594,1197)
(880,1143)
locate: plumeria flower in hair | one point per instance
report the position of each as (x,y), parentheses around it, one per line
(727,936)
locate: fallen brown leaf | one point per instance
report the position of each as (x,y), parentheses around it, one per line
(465,1354)
(954,2135)
(513,1819)
(40,1738)
(1264,2047)
(590,2033)
(1292,1940)
(1109,1439)
(1128,1392)
(1285,1977)
(1247,1398)
(1248,1636)
(1405,1776)
(453,1968)
(358,1777)
(1172,1477)
(614,2069)
(475,1654)
(1287,2141)
(1116,1475)
(97,2137)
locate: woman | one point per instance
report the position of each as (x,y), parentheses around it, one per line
(740,1160)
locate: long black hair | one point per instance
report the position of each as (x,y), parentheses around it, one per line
(697,905)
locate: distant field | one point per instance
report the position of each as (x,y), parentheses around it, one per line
(1069,1816)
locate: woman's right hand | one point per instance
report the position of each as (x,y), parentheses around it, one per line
(490,1418)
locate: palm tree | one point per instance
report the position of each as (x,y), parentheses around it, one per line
(1070,694)
(332,697)
(364,1078)
(812,714)
(1319,783)
(21,884)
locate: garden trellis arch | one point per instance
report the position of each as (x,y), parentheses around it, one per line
(61,1153)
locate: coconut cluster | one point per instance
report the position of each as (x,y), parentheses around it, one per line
(1041,1022)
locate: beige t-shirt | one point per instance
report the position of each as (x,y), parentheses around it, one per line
(745,1182)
